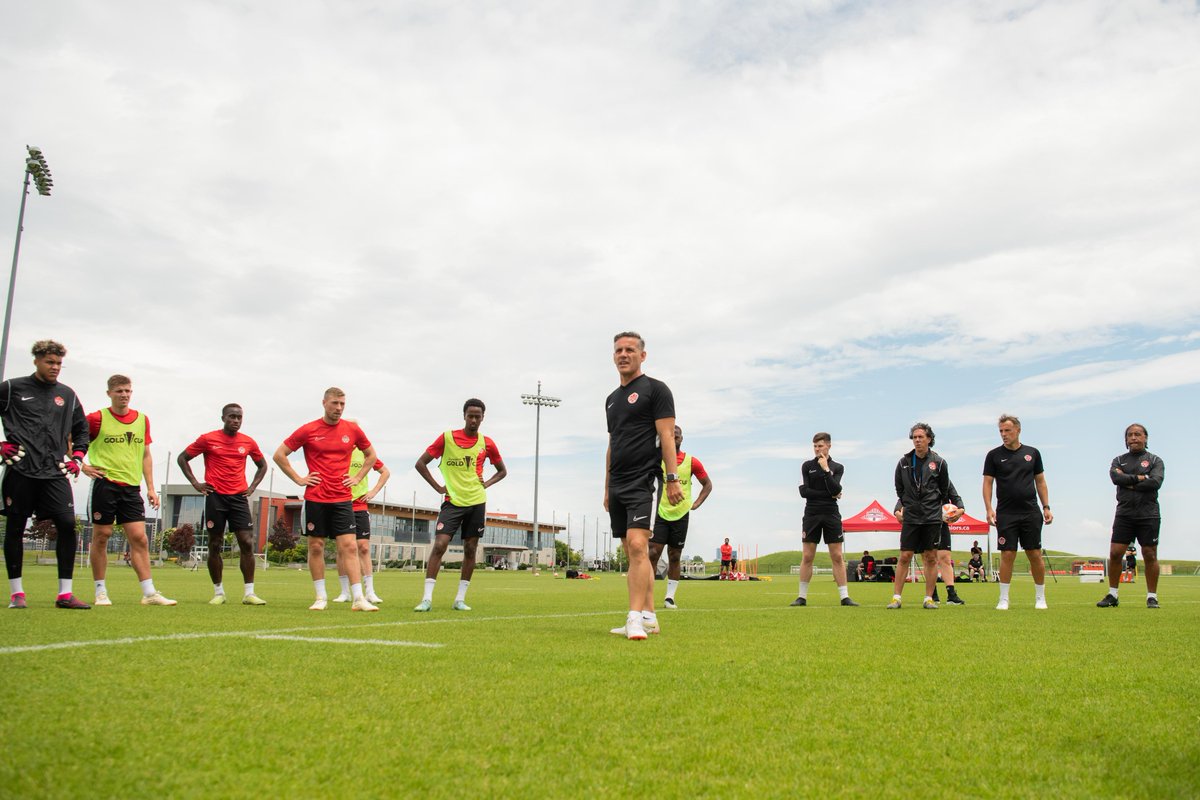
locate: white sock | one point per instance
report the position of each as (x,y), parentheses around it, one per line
(101,587)
(1004,591)
(218,588)
(15,586)
(843,592)
(369,584)
(895,598)
(319,588)
(148,587)
(462,591)
(671,587)
(429,584)
(1039,591)
(803,589)
(1151,595)
(249,589)
(64,585)
(344,580)
(356,591)
(1113,590)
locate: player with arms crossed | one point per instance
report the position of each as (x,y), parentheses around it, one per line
(671,522)
(45,439)
(821,486)
(118,460)
(464,506)
(1016,470)
(226,496)
(1138,475)
(641,437)
(327,443)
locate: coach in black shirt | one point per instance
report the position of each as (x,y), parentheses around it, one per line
(641,437)
(922,481)
(1138,475)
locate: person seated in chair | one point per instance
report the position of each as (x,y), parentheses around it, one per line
(866,566)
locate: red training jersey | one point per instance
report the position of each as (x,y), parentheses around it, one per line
(697,467)
(327,450)
(358,504)
(225,459)
(726,552)
(126,418)
(491,453)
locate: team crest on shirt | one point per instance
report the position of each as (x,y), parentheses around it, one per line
(1028,457)
(933,466)
(241,451)
(633,398)
(345,440)
(1145,464)
(58,401)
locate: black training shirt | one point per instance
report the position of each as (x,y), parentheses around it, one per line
(1014,471)
(1137,499)
(820,488)
(46,419)
(634,449)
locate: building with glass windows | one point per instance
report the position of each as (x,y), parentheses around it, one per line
(398,532)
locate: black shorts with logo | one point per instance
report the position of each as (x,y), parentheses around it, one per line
(328,520)
(671,532)
(116,502)
(1126,529)
(943,541)
(362,524)
(221,510)
(46,497)
(1025,531)
(631,505)
(828,525)
(471,519)
(920,537)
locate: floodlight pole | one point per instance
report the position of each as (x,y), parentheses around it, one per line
(37,169)
(537,401)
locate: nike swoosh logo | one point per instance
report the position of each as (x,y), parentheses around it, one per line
(26,398)
(610,405)
(1003,460)
(639,519)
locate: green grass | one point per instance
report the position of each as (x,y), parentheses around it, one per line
(530,696)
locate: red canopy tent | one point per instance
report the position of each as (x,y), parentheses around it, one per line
(872,518)
(969,525)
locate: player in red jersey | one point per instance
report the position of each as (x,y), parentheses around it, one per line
(226,496)
(328,443)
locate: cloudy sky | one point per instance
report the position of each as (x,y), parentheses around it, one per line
(821,216)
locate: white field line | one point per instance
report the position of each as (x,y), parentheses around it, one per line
(335,640)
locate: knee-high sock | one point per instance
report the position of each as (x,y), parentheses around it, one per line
(14,538)
(64,546)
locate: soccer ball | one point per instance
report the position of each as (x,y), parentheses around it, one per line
(948,511)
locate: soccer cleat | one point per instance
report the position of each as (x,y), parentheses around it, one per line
(846,601)
(319,604)
(459,605)
(342,598)
(70,601)
(1040,605)
(424,605)
(253,600)
(635,630)
(17,601)
(1107,602)
(895,603)
(374,598)
(363,604)
(650,626)
(618,631)
(669,603)
(800,601)
(928,602)
(1151,602)
(1002,605)
(217,600)
(157,599)
(102,599)
(955,600)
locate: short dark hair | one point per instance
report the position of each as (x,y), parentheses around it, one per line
(48,347)
(225,408)
(474,401)
(118,380)
(1145,432)
(924,426)
(631,335)
(822,437)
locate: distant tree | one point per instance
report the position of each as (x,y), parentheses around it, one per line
(281,537)
(697,559)
(561,552)
(180,540)
(44,529)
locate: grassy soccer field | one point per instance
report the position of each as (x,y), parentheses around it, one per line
(529,695)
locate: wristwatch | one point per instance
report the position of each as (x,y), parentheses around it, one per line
(672,477)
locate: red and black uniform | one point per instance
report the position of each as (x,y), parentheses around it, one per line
(1018,515)
(112,500)
(225,470)
(1138,516)
(635,457)
(726,555)
(327,449)
(921,483)
(48,421)
(820,490)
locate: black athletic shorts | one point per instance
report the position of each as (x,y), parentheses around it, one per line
(671,532)
(362,524)
(920,537)
(726,563)
(46,497)
(472,520)
(116,502)
(1025,531)
(226,509)
(943,541)
(328,520)
(631,505)
(1126,529)
(829,525)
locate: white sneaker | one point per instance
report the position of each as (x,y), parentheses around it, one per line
(635,629)
(374,598)
(102,599)
(157,599)
(669,603)
(319,604)
(1002,605)
(650,626)
(363,604)
(1040,605)
(342,598)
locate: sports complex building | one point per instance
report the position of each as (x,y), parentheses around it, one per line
(398,531)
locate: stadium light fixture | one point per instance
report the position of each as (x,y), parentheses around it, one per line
(38,170)
(537,401)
